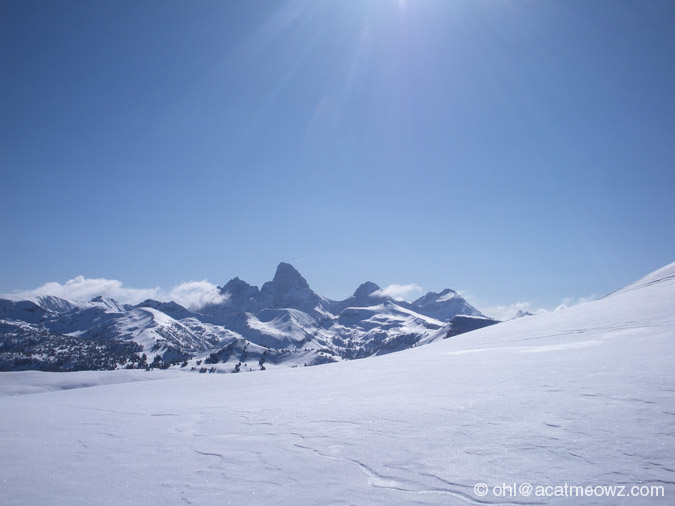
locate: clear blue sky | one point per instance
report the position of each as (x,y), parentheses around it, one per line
(518,150)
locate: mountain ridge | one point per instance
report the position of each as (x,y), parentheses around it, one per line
(284,317)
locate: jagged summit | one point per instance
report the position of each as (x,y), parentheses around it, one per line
(286,271)
(288,289)
(155,304)
(234,284)
(237,288)
(238,296)
(287,277)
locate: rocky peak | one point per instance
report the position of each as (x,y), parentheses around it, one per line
(288,289)
(286,274)
(366,289)
(237,286)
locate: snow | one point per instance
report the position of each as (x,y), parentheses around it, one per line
(583,396)
(284,325)
(149,326)
(34,382)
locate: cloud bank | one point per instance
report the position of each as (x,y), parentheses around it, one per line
(196,294)
(573,301)
(399,292)
(192,294)
(504,312)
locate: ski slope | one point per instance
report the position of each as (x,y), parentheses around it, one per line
(583,396)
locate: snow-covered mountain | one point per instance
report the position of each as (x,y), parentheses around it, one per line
(445,305)
(278,324)
(574,406)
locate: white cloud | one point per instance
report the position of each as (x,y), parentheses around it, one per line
(504,313)
(196,294)
(572,301)
(192,294)
(81,288)
(500,312)
(399,292)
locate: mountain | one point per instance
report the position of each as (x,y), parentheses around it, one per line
(365,295)
(580,397)
(461,324)
(289,289)
(238,295)
(283,323)
(445,305)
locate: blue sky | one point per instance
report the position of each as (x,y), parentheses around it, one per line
(520,151)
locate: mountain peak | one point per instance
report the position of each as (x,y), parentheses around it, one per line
(366,289)
(286,271)
(521,314)
(444,305)
(436,297)
(288,289)
(236,285)
(287,278)
(238,296)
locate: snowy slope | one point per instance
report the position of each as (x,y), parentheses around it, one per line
(156,331)
(383,328)
(582,396)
